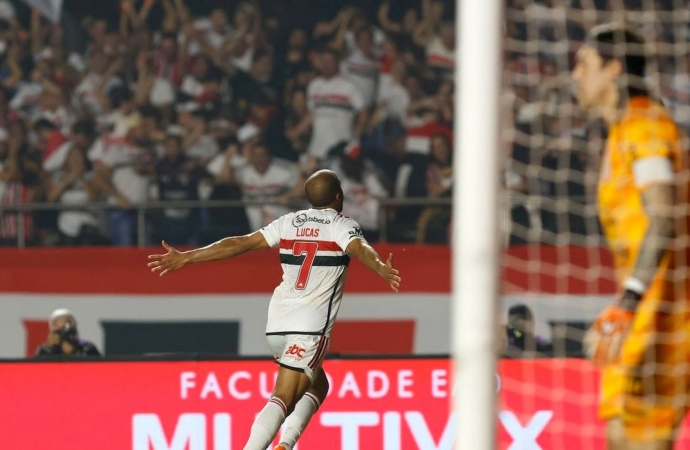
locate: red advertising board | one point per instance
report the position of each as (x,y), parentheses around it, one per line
(210,405)
(373,404)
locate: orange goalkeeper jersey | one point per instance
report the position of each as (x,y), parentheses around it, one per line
(644,130)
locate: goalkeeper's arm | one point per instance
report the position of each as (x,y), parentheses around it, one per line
(658,201)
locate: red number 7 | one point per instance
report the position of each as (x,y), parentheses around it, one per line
(309,250)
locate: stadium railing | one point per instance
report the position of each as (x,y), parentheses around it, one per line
(144,208)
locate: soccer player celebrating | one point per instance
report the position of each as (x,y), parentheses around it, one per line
(315,249)
(640,341)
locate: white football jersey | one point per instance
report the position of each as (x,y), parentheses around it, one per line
(312,253)
(334,104)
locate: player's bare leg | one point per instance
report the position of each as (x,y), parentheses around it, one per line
(306,407)
(291,385)
(616,440)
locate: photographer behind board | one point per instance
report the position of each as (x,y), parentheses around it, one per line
(521,340)
(63,338)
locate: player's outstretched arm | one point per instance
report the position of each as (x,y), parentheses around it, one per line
(658,201)
(223,249)
(360,249)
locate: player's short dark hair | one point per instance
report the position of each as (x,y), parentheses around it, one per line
(616,42)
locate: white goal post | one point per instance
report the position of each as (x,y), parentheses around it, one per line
(476,240)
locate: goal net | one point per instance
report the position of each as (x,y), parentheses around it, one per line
(558,272)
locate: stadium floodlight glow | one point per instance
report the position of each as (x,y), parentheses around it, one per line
(476,239)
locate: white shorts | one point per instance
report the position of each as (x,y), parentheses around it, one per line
(301,352)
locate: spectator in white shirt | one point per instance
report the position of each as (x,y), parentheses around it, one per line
(152,88)
(26,97)
(74,185)
(213,30)
(123,170)
(392,97)
(268,179)
(361,68)
(99,79)
(439,44)
(337,108)
(82,138)
(362,191)
(53,108)
(198,143)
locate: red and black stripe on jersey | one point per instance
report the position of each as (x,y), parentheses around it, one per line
(320,259)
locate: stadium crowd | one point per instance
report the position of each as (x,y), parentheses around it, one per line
(132,102)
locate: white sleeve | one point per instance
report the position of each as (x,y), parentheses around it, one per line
(652,170)
(273,230)
(346,230)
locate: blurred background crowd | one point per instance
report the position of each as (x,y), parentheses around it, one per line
(129,103)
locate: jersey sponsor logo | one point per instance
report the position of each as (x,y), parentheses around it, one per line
(296,351)
(301,219)
(356,231)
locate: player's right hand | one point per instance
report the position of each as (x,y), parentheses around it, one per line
(390,274)
(172,260)
(604,340)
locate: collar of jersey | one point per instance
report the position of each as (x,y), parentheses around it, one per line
(325,209)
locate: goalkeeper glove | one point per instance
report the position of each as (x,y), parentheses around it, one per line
(604,340)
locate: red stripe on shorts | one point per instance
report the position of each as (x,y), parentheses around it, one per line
(314,359)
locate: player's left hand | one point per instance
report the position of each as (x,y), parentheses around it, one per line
(604,340)
(172,260)
(390,274)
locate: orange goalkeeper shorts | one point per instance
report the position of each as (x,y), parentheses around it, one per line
(647,387)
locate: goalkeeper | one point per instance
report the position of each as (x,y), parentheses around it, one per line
(641,340)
